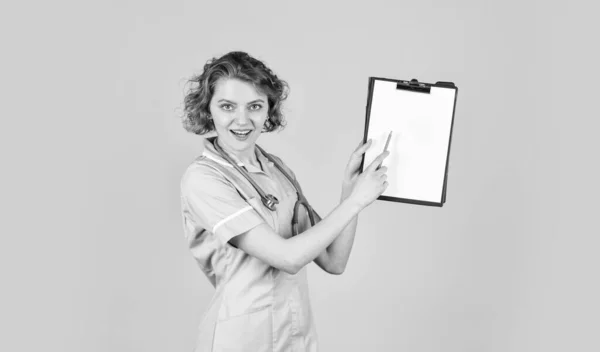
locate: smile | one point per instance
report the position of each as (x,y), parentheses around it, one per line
(241,132)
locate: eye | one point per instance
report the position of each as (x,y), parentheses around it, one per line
(255,107)
(227,107)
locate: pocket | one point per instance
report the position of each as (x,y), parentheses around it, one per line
(285,212)
(303,217)
(248,332)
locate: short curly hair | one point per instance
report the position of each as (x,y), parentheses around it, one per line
(242,66)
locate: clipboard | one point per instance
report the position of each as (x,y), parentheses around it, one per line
(421,117)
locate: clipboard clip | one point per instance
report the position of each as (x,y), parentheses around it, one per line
(414,86)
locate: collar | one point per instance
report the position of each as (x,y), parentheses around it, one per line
(211,153)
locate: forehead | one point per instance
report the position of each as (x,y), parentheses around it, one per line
(236,90)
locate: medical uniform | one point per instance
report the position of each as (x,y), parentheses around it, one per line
(256,307)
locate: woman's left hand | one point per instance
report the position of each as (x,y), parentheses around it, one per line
(353,168)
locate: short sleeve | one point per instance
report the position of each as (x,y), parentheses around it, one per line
(215,204)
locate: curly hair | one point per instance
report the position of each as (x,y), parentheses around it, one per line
(239,65)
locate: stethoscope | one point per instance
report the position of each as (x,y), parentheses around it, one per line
(269,200)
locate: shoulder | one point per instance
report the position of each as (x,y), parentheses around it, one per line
(201,173)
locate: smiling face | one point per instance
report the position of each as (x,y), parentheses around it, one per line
(239,113)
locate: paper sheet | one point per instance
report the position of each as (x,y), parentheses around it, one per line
(421,125)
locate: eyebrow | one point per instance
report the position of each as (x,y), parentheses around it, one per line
(253,101)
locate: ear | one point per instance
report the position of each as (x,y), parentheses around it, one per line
(267,123)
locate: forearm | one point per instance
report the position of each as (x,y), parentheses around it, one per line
(339,250)
(306,246)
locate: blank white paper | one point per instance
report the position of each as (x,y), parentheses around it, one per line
(421,125)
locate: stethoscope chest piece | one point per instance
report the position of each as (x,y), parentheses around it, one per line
(270,201)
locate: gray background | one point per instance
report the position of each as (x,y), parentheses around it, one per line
(93,254)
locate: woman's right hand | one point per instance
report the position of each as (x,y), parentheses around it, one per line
(371,183)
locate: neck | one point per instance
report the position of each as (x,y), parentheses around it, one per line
(246,156)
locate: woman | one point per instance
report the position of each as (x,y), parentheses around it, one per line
(242,239)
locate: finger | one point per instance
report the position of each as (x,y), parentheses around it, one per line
(361,150)
(382,170)
(366,146)
(359,145)
(378,160)
(362,145)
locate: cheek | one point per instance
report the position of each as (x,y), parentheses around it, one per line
(219,117)
(260,117)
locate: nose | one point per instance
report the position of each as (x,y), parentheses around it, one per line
(242,117)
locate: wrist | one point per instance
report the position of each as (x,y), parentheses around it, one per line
(347,189)
(353,206)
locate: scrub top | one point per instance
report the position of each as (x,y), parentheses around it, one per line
(255,307)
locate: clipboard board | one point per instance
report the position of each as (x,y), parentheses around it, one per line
(421,118)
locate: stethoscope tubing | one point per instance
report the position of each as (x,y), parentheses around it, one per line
(269,200)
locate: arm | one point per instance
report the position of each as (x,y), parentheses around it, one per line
(316,242)
(291,255)
(335,257)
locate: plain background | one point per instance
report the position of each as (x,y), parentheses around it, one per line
(93,253)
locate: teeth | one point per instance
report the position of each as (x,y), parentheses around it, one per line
(241,133)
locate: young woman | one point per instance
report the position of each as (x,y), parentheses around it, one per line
(239,202)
